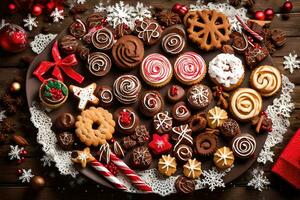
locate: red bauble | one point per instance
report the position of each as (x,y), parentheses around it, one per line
(269,13)
(12,8)
(287,6)
(260,15)
(180,9)
(13,38)
(37,10)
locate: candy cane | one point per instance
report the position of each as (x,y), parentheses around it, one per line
(135,179)
(101,169)
(248,29)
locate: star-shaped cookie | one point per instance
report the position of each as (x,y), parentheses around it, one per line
(160,144)
(83,157)
(85,95)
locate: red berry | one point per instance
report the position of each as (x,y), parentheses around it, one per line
(24,152)
(260,15)
(112,140)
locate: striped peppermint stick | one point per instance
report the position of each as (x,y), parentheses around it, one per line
(248,29)
(102,170)
(135,179)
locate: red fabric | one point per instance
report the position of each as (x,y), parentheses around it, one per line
(288,164)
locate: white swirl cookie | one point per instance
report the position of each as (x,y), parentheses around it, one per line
(266,80)
(226,70)
(245,104)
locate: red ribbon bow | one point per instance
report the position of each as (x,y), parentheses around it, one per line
(64,64)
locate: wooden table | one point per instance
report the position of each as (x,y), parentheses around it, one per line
(59,187)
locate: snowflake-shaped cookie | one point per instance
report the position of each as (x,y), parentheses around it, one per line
(212,179)
(46,160)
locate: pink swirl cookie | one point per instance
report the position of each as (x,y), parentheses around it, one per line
(156,70)
(189,68)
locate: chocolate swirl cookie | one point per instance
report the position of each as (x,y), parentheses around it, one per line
(128,52)
(173,43)
(77,29)
(151,103)
(183,153)
(243,145)
(99,64)
(103,39)
(127,89)
(105,95)
(185,185)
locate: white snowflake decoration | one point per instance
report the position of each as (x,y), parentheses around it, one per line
(80,1)
(30,22)
(41,41)
(57,15)
(3,23)
(46,160)
(99,8)
(259,181)
(291,62)
(212,179)
(15,152)
(26,176)
(141,11)
(2,115)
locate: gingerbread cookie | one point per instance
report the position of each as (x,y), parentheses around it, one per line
(141,157)
(85,95)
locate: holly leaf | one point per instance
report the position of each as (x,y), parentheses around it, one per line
(50,84)
(47,94)
(64,90)
(47,88)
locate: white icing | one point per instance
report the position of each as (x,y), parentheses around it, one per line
(183,134)
(182,111)
(147,31)
(106,96)
(85,95)
(244,146)
(173,43)
(163,120)
(227,69)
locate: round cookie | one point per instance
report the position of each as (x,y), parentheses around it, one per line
(175,93)
(105,96)
(216,117)
(103,39)
(77,28)
(141,157)
(205,144)
(183,153)
(65,122)
(173,43)
(126,119)
(185,185)
(127,89)
(180,112)
(148,30)
(199,96)
(151,103)
(243,145)
(192,169)
(128,52)
(162,122)
(141,135)
(224,158)
(156,70)
(230,128)
(167,165)
(266,80)
(245,104)
(226,70)
(189,68)
(198,122)
(98,63)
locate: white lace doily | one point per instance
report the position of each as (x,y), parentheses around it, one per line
(41,41)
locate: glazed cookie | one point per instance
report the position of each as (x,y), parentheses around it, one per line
(199,96)
(65,122)
(230,128)
(156,70)
(167,165)
(192,169)
(141,157)
(148,30)
(216,117)
(185,185)
(205,144)
(128,52)
(183,153)
(223,158)
(151,103)
(266,80)
(127,120)
(173,43)
(198,122)
(127,89)
(160,144)
(226,70)
(103,39)
(245,104)
(162,122)
(189,68)
(105,96)
(53,93)
(85,95)
(95,126)
(180,112)
(175,93)
(243,145)
(98,63)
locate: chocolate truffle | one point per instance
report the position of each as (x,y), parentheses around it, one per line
(98,63)
(141,157)
(199,96)
(173,43)
(175,93)
(198,122)
(243,145)
(65,122)
(162,122)
(127,89)
(185,185)
(105,95)
(230,128)
(126,120)
(127,142)
(151,103)
(180,112)
(65,140)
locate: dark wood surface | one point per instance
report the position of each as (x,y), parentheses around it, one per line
(59,187)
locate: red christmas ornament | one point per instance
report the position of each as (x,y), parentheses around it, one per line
(13,38)
(37,10)
(12,8)
(260,15)
(287,6)
(180,9)
(269,14)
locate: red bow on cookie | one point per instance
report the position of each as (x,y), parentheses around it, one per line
(64,64)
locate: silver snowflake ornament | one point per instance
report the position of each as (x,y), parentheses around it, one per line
(3,23)
(99,8)
(30,22)
(15,152)
(46,160)
(26,176)
(259,181)
(212,179)
(2,114)
(57,15)
(291,63)
(141,11)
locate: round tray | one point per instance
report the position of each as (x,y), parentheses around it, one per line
(32,87)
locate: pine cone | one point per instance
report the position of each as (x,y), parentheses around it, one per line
(168,18)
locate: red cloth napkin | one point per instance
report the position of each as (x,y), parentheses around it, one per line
(288,164)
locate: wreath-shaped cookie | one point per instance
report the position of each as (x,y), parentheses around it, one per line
(209,29)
